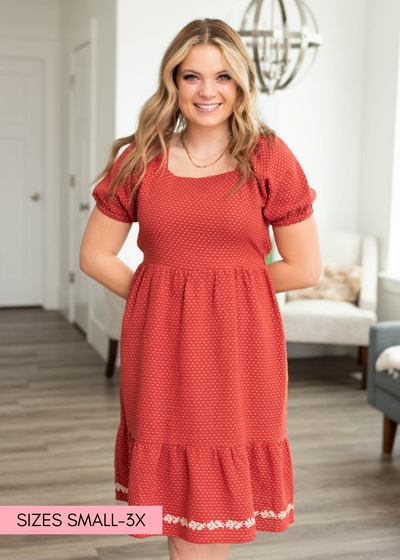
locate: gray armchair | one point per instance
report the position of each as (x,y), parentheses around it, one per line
(383,389)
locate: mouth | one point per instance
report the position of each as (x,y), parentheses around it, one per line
(207,107)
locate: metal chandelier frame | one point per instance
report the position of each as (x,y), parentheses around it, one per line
(271,79)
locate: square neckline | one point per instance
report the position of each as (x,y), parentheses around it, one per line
(197,178)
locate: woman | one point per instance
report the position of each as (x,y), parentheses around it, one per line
(203,388)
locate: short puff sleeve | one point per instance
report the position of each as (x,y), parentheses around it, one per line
(288,198)
(120,207)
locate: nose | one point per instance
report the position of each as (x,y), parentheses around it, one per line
(207,89)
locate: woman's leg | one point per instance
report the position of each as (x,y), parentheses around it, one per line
(180,549)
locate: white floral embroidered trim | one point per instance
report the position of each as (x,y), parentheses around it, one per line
(216,524)
(121,488)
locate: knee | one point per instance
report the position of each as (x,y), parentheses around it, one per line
(180,549)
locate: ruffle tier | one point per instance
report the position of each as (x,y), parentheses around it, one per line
(208,494)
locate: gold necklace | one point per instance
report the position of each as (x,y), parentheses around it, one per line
(206,159)
(200,166)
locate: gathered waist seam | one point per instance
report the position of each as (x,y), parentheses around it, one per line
(202,268)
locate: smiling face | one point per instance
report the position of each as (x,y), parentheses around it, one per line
(207,92)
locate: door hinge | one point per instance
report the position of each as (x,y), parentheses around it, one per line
(72,180)
(72,277)
(72,81)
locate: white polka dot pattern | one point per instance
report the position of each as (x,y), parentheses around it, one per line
(119,208)
(204,377)
(287,194)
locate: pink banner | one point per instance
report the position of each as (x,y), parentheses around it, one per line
(78,520)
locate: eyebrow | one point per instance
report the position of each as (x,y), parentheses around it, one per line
(199,73)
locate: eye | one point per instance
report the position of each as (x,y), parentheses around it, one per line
(193,76)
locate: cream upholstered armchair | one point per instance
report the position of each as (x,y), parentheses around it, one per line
(114,307)
(338,322)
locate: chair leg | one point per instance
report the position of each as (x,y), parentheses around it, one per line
(112,355)
(389,432)
(364,364)
(359,354)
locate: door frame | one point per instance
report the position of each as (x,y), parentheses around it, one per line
(48,52)
(86,33)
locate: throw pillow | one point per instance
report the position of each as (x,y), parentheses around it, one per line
(389,360)
(337,282)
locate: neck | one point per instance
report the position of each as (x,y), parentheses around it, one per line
(200,138)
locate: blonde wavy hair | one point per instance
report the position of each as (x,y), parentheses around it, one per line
(160,117)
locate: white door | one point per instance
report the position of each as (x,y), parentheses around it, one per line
(80,150)
(21,181)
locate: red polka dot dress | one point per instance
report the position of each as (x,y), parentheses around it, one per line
(204,376)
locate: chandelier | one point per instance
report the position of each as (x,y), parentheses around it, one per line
(280,35)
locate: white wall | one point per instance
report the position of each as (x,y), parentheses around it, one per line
(30,19)
(75,13)
(378,157)
(31,30)
(378,127)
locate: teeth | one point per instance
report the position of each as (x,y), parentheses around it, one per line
(207,106)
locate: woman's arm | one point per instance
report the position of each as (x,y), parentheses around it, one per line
(101,243)
(298,245)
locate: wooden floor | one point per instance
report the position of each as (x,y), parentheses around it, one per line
(59,417)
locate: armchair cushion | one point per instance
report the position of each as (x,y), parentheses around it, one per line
(326,321)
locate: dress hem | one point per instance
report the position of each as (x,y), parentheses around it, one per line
(181,531)
(250,486)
